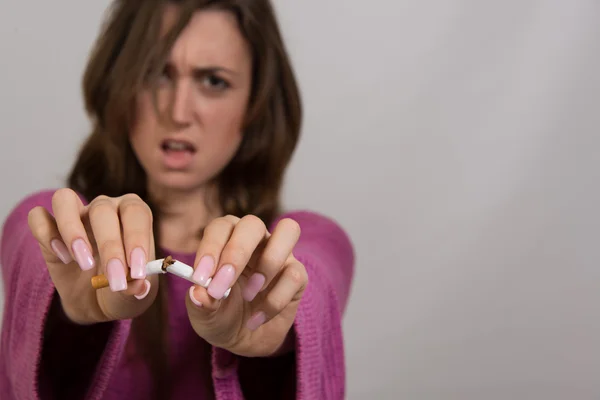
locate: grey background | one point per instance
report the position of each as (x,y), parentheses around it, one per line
(456,141)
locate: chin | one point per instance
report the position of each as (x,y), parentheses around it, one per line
(179,181)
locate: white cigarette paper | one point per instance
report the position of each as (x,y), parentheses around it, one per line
(155,267)
(179,269)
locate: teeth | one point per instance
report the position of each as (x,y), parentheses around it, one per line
(176,146)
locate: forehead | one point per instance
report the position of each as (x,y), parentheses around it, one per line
(211,37)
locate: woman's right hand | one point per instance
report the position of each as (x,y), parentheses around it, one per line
(110,236)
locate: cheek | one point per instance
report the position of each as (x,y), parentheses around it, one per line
(143,126)
(223,122)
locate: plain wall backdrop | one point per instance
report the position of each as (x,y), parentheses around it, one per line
(458,143)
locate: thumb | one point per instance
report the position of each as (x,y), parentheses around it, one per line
(213,320)
(200,305)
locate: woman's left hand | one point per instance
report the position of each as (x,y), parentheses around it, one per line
(266,283)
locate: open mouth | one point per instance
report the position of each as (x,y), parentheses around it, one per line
(171,145)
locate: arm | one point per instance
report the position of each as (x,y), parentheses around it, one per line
(43,355)
(315,368)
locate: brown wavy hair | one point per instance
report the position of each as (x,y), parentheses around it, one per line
(129,53)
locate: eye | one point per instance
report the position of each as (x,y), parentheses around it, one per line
(213,82)
(166,75)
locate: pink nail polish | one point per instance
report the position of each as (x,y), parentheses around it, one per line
(193,298)
(61,251)
(83,255)
(147,286)
(256,321)
(221,282)
(138,263)
(204,270)
(115,272)
(253,287)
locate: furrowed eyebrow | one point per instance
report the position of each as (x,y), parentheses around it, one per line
(212,70)
(203,71)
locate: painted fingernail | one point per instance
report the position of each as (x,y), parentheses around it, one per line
(115,272)
(147,287)
(83,255)
(193,298)
(61,251)
(256,321)
(253,286)
(221,282)
(203,271)
(138,263)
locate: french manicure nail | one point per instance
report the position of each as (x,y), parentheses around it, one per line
(138,263)
(253,286)
(221,282)
(61,251)
(193,298)
(115,272)
(203,271)
(256,321)
(83,255)
(147,286)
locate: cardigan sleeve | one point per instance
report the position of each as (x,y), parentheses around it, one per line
(315,369)
(43,354)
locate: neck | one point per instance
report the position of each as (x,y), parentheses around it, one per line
(182,215)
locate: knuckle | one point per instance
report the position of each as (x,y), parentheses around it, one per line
(136,238)
(290,225)
(100,207)
(69,227)
(211,246)
(111,249)
(297,275)
(42,232)
(254,221)
(101,198)
(33,216)
(218,226)
(135,207)
(61,195)
(276,304)
(235,255)
(231,218)
(131,197)
(272,260)
(37,225)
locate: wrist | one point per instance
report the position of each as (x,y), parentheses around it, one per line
(288,345)
(67,315)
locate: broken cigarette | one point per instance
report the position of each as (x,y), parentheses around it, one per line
(158,267)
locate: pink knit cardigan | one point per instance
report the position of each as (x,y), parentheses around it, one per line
(43,356)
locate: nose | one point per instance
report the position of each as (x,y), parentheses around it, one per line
(182,111)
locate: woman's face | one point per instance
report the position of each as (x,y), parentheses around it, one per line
(204,89)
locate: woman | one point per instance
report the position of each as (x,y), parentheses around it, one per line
(195,116)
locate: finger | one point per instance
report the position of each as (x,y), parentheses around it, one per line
(67,208)
(287,289)
(104,220)
(44,229)
(278,249)
(136,222)
(216,236)
(249,232)
(146,289)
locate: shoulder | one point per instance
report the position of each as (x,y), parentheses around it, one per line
(312,220)
(320,228)
(15,225)
(41,198)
